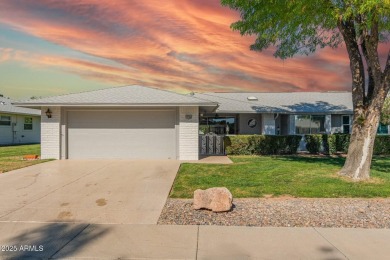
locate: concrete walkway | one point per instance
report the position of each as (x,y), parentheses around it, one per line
(104,241)
(212,159)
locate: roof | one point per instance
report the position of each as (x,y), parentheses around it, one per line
(294,102)
(120,96)
(7,107)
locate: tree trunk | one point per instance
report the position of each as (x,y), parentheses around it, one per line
(367,105)
(358,163)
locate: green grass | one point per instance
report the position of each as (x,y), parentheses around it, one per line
(296,176)
(11,157)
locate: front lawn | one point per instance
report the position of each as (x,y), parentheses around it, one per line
(296,176)
(11,157)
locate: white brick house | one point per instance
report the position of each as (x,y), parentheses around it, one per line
(149,123)
(18,125)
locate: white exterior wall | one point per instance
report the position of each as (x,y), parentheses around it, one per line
(188,133)
(15,133)
(6,136)
(328,124)
(291,121)
(243,127)
(268,124)
(50,133)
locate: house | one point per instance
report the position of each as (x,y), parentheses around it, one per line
(149,123)
(18,125)
(122,122)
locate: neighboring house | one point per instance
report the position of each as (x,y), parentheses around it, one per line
(142,122)
(18,125)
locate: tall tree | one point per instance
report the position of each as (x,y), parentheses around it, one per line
(303,26)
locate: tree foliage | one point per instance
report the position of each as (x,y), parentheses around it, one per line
(301,26)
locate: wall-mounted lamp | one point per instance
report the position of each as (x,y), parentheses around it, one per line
(188,116)
(48,113)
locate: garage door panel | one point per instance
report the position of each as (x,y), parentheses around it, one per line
(122,119)
(122,134)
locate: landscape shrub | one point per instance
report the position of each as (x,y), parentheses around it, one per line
(342,142)
(276,144)
(261,144)
(313,143)
(237,145)
(382,145)
(329,144)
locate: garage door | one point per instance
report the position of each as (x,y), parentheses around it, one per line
(142,134)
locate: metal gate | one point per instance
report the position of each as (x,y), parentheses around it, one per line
(211,144)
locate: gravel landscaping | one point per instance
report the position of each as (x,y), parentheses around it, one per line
(284,212)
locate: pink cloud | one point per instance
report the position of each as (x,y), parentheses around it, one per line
(181,45)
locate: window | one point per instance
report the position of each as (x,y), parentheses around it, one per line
(5,120)
(217,125)
(309,124)
(28,125)
(383,129)
(346,124)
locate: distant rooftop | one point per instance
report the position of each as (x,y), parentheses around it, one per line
(282,102)
(7,108)
(241,102)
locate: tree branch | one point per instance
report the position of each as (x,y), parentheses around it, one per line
(371,40)
(347,29)
(371,82)
(386,74)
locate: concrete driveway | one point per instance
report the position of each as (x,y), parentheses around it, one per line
(94,191)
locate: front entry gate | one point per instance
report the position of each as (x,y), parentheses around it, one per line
(211,144)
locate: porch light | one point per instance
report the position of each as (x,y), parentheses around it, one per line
(188,116)
(48,113)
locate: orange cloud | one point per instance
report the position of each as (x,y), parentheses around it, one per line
(180,45)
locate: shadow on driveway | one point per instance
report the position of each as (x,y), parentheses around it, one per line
(44,241)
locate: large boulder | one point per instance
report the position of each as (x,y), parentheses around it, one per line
(215,199)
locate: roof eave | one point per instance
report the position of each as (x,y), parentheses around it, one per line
(19,113)
(34,105)
(284,112)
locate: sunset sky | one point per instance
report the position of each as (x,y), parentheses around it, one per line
(51,47)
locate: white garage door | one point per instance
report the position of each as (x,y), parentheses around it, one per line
(122,134)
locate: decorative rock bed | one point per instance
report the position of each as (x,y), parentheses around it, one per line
(284,212)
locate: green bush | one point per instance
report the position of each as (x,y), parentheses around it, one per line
(342,142)
(313,143)
(275,144)
(329,144)
(239,145)
(261,144)
(382,145)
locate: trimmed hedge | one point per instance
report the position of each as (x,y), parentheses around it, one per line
(333,143)
(313,143)
(382,145)
(316,143)
(261,144)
